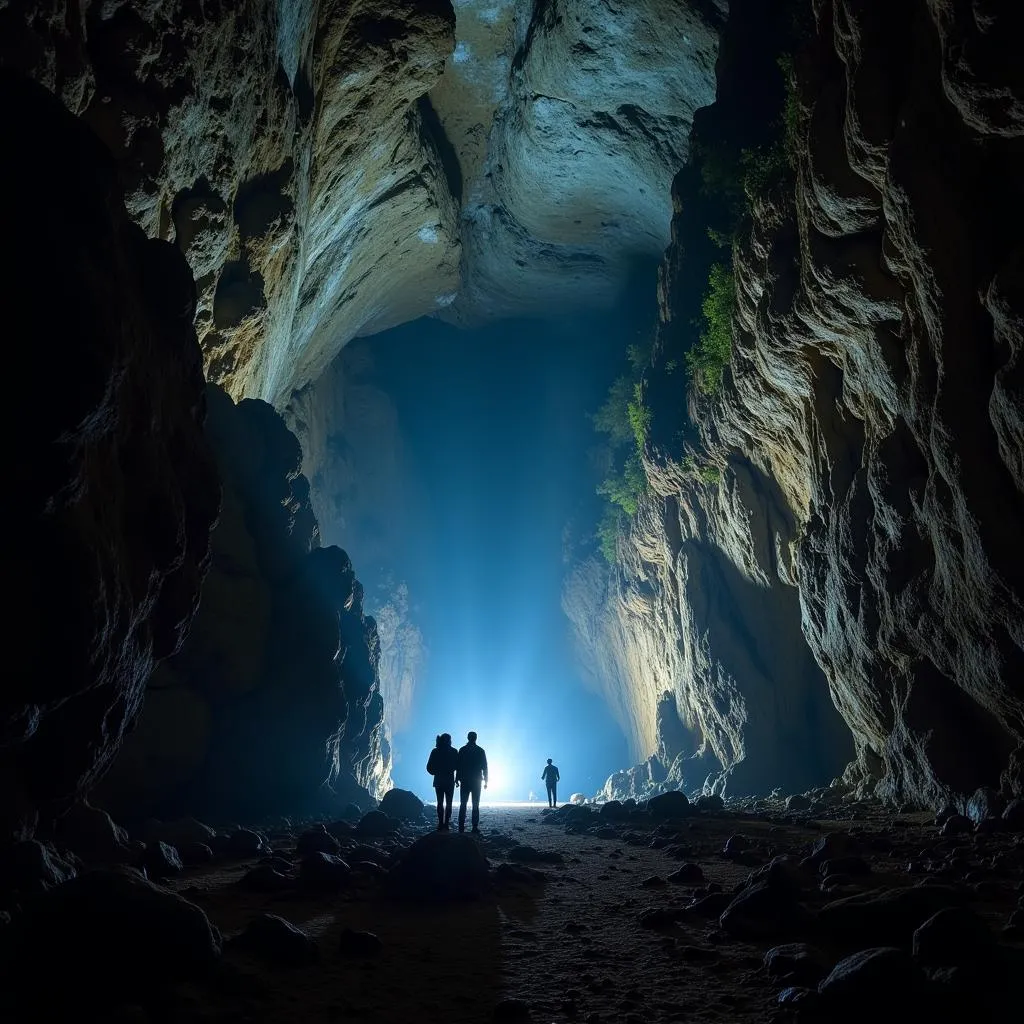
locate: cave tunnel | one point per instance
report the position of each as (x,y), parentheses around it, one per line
(523,498)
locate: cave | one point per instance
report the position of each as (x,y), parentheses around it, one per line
(629,389)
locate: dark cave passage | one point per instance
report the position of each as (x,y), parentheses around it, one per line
(636,386)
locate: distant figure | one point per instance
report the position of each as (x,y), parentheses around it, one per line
(441,764)
(470,773)
(550,776)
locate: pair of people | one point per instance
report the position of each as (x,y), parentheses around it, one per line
(467,767)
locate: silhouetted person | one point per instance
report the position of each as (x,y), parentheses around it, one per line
(443,760)
(550,776)
(470,774)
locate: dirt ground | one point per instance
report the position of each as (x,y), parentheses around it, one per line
(571,946)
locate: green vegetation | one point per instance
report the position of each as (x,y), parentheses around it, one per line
(706,472)
(708,359)
(625,420)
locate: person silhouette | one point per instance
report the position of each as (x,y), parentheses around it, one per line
(470,773)
(441,764)
(550,776)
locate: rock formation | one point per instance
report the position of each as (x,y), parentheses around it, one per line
(332,170)
(275,694)
(114,484)
(865,449)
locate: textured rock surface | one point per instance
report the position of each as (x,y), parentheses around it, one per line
(280,145)
(363,494)
(114,482)
(868,434)
(276,690)
(290,150)
(568,121)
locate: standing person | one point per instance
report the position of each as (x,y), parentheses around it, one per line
(470,773)
(441,764)
(550,776)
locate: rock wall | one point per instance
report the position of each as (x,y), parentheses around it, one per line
(273,704)
(868,435)
(280,145)
(114,486)
(333,168)
(363,490)
(568,120)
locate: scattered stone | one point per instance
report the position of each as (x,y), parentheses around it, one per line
(323,872)
(984,803)
(613,810)
(867,981)
(797,998)
(31,866)
(265,878)
(195,853)
(831,846)
(112,930)
(401,804)
(94,837)
(884,915)
(358,943)
(687,874)
(763,911)
(711,905)
(736,844)
(439,867)
(956,825)
(710,802)
(673,804)
(798,802)
(177,833)
(853,866)
(317,840)
(951,937)
(943,814)
(376,823)
(509,873)
(277,940)
(161,861)
(243,842)
(531,855)
(796,964)
(341,830)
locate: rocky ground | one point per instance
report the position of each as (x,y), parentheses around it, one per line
(618,914)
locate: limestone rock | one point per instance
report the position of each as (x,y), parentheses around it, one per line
(115,479)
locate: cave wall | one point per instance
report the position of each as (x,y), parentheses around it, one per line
(868,435)
(363,490)
(114,483)
(280,146)
(333,169)
(273,704)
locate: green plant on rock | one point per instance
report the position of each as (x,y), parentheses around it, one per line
(708,359)
(639,417)
(624,489)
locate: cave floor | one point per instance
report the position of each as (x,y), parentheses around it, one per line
(571,947)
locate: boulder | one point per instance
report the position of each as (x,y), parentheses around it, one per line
(951,937)
(277,941)
(112,930)
(401,804)
(882,982)
(30,866)
(440,867)
(984,803)
(764,911)
(884,915)
(323,872)
(613,810)
(673,804)
(376,824)
(161,860)
(355,943)
(93,835)
(317,840)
